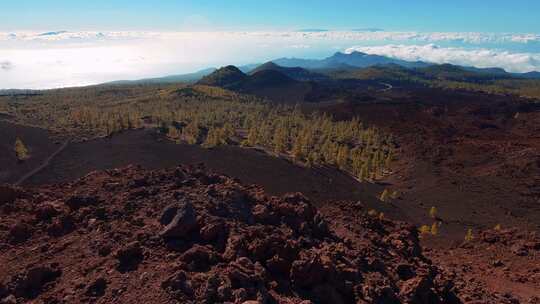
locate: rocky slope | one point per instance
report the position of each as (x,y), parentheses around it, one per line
(187,236)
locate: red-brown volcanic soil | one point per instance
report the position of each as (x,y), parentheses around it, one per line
(475,157)
(37,141)
(187,236)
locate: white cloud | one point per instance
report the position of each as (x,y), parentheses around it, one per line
(465,37)
(6,65)
(480,57)
(69,58)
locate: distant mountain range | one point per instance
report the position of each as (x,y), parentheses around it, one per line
(187,78)
(268,81)
(296,73)
(317,69)
(190,77)
(346,61)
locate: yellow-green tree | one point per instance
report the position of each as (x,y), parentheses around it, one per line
(425,229)
(469,236)
(215,137)
(435,228)
(21,152)
(280,140)
(342,157)
(385,195)
(252,137)
(433,212)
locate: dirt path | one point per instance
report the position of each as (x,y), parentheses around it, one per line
(387,85)
(43,165)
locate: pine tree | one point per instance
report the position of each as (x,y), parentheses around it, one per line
(435,228)
(469,236)
(388,160)
(297,149)
(21,152)
(342,157)
(385,195)
(228,132)
(425,229)
(280,140)
(173,133)
(364,175)
(252,137)
(213,138)
(433,212)
(191,132)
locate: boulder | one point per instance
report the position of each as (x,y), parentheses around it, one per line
(8,194)
(307,271)
(183,223)
(199,257)
(78,201)
(178,282)
(30,284)
(168,214)
(61,226)
(213,230)
(129,257)
(97,288)
(19,233)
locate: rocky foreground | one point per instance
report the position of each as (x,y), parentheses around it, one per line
(187,236)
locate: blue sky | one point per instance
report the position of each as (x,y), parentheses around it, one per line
(517,16)
(95,41)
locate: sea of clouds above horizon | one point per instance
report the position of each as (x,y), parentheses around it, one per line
(42,60)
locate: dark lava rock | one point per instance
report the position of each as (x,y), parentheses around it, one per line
(178,283)
(78,201)
(183,223)
(221,243)
(97,288)
(61,226)
(8,194)
(19,233)
(200,258)
(47,212)
(307,271)
(30,284)
(213,231)
(405,272)
(3,290)
(129,257)
(418,290)
(168,214)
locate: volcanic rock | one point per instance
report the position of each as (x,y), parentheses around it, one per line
(19,233)
(129,256)
(182,224)
(30,284)
(8,194)
(232,244)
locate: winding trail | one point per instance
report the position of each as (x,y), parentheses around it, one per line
(43,165)
(387,85)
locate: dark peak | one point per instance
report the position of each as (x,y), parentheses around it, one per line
(224,77)
(267,66)
(270,77)
(352,54)
(450,67)
(230,68)
(270,64)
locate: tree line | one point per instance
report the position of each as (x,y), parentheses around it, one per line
(211,117)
